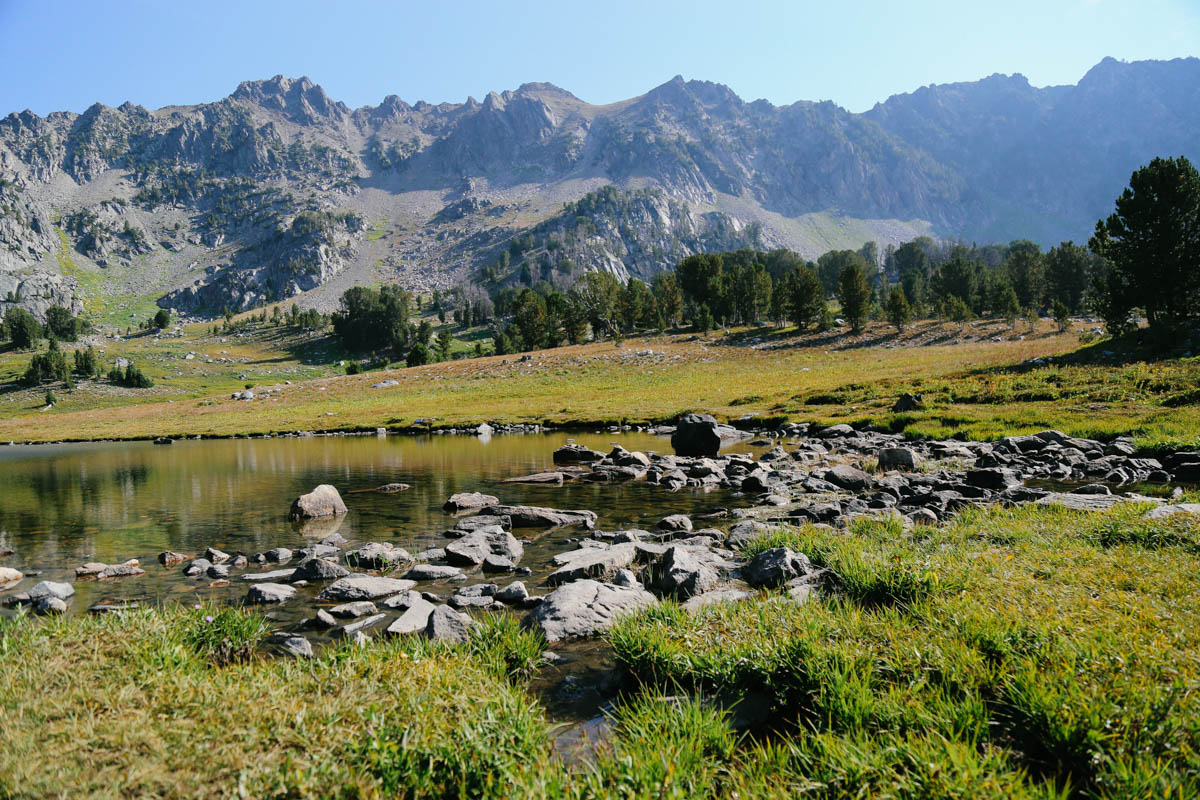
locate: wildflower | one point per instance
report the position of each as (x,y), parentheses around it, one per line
(197,606)
(208,619)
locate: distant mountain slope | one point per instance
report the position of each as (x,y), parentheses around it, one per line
(278,189)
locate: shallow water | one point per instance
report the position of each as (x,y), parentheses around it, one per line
(64,505)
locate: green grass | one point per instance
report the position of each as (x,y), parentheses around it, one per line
(975,389)
(1045,655)
(1047,658)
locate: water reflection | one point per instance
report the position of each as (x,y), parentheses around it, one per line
(61,505)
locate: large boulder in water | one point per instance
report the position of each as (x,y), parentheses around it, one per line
(702,435)
(323,501)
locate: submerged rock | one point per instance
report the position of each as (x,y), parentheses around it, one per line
(270,593)
(378,555)
(364,587)
(469,501)
(540,517)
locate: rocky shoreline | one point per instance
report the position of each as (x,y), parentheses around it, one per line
(804,475)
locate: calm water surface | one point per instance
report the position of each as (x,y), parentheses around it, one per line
(63,505)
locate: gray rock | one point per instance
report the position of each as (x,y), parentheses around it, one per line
(364,587)
(702,435)
(9,575)
(318,569)
(1165,511)
(216,556)
(675,522)
(62,591)
(359,608)
(898,458)
(297,647)
(742,533)
(627,578)
(357,627)
(994,478)
(539,517)
(50,605)
(1092,488)
(908,402)
(469,501)
(849,478)
(585,608)
(513,594)
(433,572)
(592,562)
(270,593)
(278,555)
(446,625)
(218,571)
(168,558)
(495,564)
(378,555)
(472,549)
(576,454)
(680,574)
(198,567)
(542,478)
(323,501)
(776,567)
(324,619)
(414,619)
(272,575)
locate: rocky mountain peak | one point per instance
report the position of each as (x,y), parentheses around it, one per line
(298,99)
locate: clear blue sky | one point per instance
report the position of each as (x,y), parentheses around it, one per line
(65,55)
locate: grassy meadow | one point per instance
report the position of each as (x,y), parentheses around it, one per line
(1031,653)
(979,381)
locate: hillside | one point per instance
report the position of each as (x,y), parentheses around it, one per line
(278,190)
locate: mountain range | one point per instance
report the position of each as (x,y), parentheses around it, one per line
(279,191)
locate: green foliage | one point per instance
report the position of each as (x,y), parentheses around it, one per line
(367,319)
(87,365)
(897,309)
(162,319)
(131,377)
(353,368)
(21,327)
(61,325)
(855,295)
(445,340)
(806,296)
(1150,244)
(47,367)
(418,355)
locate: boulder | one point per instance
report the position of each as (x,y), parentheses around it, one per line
(378,555)
(513,594)
(216,556)
(776,567)
(539,517)
(711,598)
(447,625)
(318,569)
(269,593)
(477,546)
(585,608)
(680,574)
(469,501)
(847,477)
(50,605)
(323,501)
(9,575)
(364,587)
(702,435)
(278,555)
(169,559)
(994,478)
(901,458)
(1170,510)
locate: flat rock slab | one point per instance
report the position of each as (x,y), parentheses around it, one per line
(273,575)
(547,478)
(592,562)
(539,517)
(270,593)
(62,591)
(414,620)
(1090,502)
(585,608)
(348,631)
(318,569)
(1170,510)
(715,597)
(433,572)
(323,501)
(364,587)
(469,501)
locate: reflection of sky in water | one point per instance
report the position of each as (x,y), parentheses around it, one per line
(62,505)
